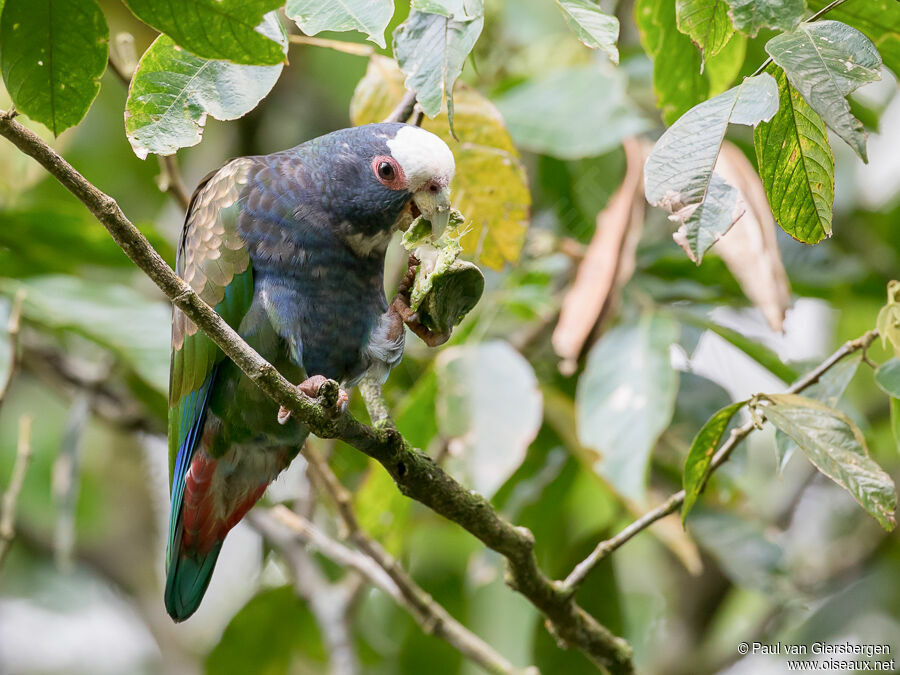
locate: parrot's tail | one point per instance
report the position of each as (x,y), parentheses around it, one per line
(188,576)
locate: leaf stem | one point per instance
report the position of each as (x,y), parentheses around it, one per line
(337,45)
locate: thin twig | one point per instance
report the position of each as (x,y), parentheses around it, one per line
(738,434)
(338,45)
(11,496)
(431,616)
(404,109)
(415,473)
(13,326)
(170,181)
(329,603)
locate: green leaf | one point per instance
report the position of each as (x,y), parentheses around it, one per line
(703,447)
(116,317)
(677,65)
(895,421)
(173,91)
(825,61)
(266,636)
(723,68)
(592,26)
(52,54)
(366,16)
(215,29)
(828,390)
(749,16)
(6,354)
(764,356)
(835,445)
(887,377)
(487,398)
(490,186)
(625,399)
(706,22)
(796,166)
(888,321)
(878,19)
(431,49)
(538,113)
(678,173)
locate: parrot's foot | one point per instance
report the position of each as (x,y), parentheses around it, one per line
(333,397)
(400,308)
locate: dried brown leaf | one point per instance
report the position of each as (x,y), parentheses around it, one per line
(608,262)
(749,248)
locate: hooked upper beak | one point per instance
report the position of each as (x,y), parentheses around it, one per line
(435,207)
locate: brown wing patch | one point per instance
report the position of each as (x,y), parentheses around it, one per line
(211,251)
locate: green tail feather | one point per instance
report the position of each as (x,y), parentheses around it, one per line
(186,582)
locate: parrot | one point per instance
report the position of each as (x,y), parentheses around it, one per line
(289,250)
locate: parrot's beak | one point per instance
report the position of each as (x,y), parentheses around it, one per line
(434,206)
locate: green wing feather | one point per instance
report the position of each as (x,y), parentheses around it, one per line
(213,259)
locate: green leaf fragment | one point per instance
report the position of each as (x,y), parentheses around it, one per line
(835,445)
(796,166)
(52,55)
(703,447)
(445,288)
(825,61)
(706,22)
(173,91)
(366,16)
(748,16)
(592,26)
(215,29)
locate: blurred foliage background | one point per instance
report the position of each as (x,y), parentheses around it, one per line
(520,407)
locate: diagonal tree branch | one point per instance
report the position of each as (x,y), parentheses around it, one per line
(738,434)
(416,475)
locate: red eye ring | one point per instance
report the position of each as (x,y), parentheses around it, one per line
(388,172)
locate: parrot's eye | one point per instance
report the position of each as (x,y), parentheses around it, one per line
(385,171)
(388,172)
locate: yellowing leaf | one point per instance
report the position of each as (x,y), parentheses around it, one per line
(490,186)
(888,323)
